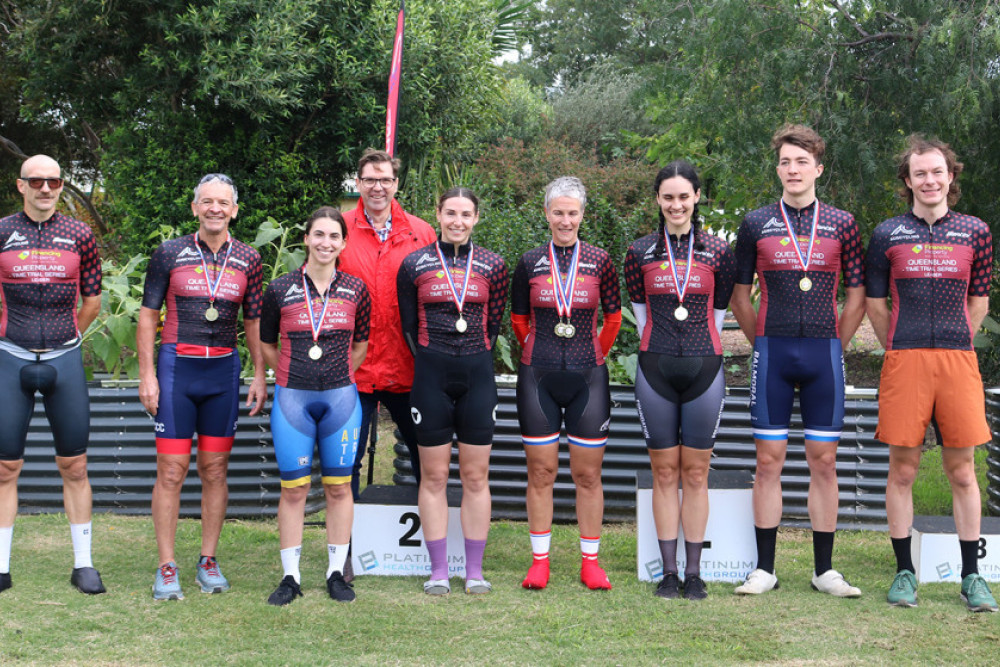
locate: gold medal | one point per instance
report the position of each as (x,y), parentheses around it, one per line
(461,325)
(805,284)
(560,330)
(681,313)
(211,314)
(315,352)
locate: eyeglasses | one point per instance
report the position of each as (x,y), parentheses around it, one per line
(36,183)
(384,182)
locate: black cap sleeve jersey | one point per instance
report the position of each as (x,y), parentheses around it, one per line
(651,282)
(427,309)
(533,294)
(44,268)
(175,277)
(763,247)
(929,271)
(286,314)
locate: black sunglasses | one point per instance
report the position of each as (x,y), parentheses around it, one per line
(36,183)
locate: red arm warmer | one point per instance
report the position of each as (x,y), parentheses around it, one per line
(609,331)
(521,326)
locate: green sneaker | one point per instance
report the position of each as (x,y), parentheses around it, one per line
(976,594)
(903,592)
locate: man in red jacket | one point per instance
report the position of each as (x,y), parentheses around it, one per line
(381,234)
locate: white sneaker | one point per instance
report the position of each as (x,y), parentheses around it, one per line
(833,582)
(437,587)
(759,581)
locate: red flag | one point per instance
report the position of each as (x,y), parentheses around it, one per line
(392,106)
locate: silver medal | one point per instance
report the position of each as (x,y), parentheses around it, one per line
(560,330)
(681,313)
(569,330)
(461,325)
(315,352)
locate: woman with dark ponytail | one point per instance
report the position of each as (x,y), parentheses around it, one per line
(679,280)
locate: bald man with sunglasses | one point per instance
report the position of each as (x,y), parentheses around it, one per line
(50,284)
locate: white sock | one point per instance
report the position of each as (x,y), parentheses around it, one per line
(338,557)
(589,546)
(6,538)
(540,543)
(80,533)
(290,562)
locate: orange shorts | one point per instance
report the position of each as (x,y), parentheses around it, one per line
(921,384)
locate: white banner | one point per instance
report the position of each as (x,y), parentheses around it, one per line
(389,540)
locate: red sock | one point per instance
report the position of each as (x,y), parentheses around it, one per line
(538,574)
(593,575)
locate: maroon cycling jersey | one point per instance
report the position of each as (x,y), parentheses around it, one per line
(763,247)
(427,307)
(176,276)
(929,271)
(285,313)
(533,293)
(44,268)
(650,281)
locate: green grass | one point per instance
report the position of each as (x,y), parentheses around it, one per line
(43,620)
(931,491)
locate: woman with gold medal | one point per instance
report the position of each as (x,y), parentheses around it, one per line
(314,331)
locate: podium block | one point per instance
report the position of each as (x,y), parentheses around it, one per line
(730,551)
(388,538)
(936,554)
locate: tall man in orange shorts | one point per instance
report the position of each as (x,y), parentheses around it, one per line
(935,264)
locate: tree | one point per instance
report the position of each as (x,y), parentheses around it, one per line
(280,94)
(864,74)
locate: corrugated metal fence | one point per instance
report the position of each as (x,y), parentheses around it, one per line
(993,453)
(862,463)
(122,462)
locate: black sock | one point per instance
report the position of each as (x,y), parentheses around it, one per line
(767,541)
(668,552)
(904,557)
(693,551)
(822,551)
(970,557)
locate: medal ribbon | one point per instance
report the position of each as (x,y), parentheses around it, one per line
(213,287)
(564,291)
(313,324)
(681,289)
(458,298)
(793,237)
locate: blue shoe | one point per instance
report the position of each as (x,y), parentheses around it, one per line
(976,594)
(209,576)
(166,585)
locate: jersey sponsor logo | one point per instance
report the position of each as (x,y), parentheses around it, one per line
(542,263)
(588,266)
(773,223)
(650,251)
(303,460)
(704,253)
(293,291)
(961,235)
(345,290)
(238,262)
(424,258)
(416,416)
(25,254)
(606,425)
(15,239)
(482,265)
(59,239)
(187,252)
(902,229)
(826,228)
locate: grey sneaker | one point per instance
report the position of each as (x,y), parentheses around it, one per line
(976,594)
(166,586)
(210,577)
